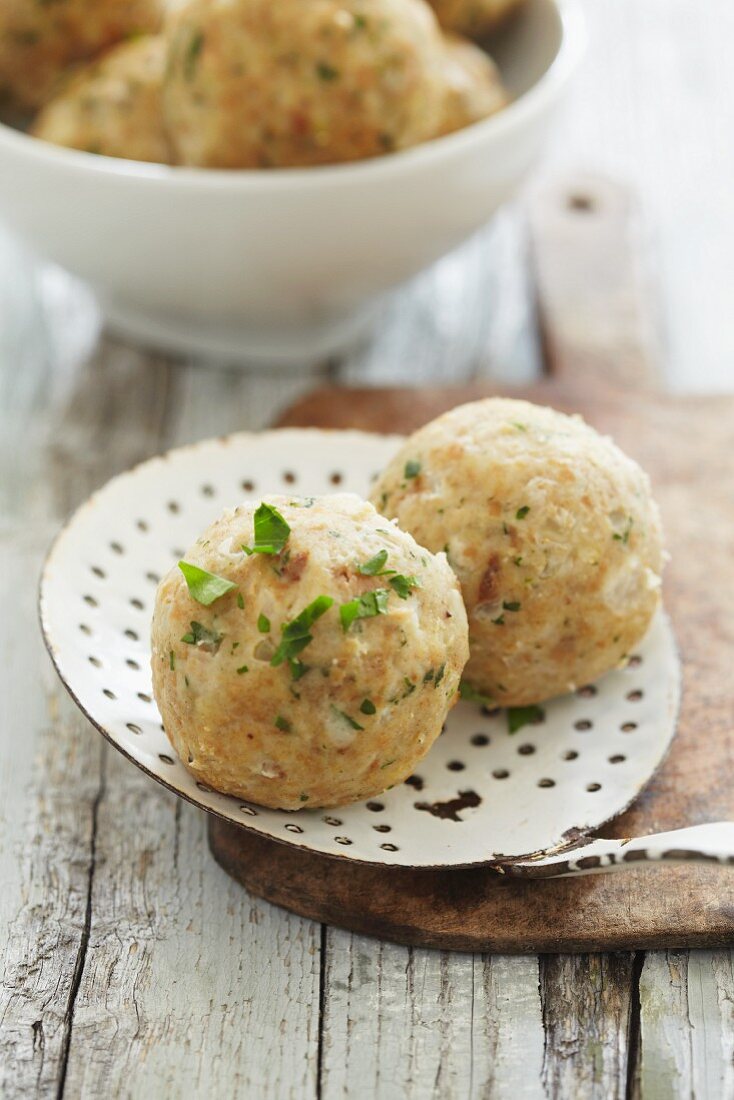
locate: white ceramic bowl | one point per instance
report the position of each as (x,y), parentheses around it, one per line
(284,264)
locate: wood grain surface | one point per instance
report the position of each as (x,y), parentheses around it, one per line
(595,321)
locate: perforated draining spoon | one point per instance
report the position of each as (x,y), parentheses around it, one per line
(710,843)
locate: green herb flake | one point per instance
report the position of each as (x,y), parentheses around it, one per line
(240,601)
(298,669)
(368,707)
(624,537)
(517,717)
(511,605)
(374,567)
(386,765)
(283,724)
(412,468)
(403,586)
(326,72)
(200,636)
(518,560)
(365,606)
(471,695)
(296,634)
(271,531)
(522,512)
(499,621)
(439,676)
(304,797)
(263,623)
(241,671)
(172,660)
(347,718)
(191,57)
(520,427)
(204,587)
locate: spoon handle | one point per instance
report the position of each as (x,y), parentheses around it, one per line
(712,843)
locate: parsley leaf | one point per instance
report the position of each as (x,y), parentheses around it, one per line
(368,707)
(241,671)
(283,724)
(347,718)
(204,587)
(522,512)
(365,606)
(263,623)
(296,633)
(374,567)
(200,636)
(470,695)
(412,468)
(271,531)
(403,585)
(511,605)
(517,717)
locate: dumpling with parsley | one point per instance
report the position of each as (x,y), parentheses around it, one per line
(265,84)
(552,531)
(306,652)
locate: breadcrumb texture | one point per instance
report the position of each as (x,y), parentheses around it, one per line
(113,106)
(552,532)
(473,18)
(473,89)
(258,84)
(373,697)
(40,39)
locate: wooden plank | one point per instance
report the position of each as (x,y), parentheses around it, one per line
(686,1025)
(417,1024)
(587,1015)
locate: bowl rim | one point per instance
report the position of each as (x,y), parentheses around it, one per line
(547,87)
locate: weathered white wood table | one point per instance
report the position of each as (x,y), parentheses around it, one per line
(132,965)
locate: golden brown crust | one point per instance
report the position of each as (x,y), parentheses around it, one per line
(246,727)
(39,41)
(256,84)
(113,106)
(552,532)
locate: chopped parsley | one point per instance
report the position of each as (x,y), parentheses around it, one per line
(403,585)
(298,669)
(172,660)
(624,537)
(471,695)
(326,72)
(263,623)
(368,707)
(200,636)
(240,601)
(412,468)
(296,634)
(517,717)
(374,567)
(439,676)
(386,765)
(511,605)
(365,606)
(204,587)
(518,560)
(271,531)
(499,621)
(241,671)
(304,797)
(191,57)
(283,724)
(522,512)
(347,718)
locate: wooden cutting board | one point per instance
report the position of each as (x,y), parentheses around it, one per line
(595,320)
